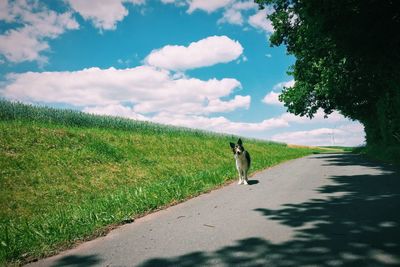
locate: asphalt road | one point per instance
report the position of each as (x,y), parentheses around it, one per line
(321,210)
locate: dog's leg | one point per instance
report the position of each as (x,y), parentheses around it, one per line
(245,177)
(240,177)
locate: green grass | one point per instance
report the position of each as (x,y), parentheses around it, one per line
(67,176)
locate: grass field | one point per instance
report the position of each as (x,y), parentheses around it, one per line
(67,176)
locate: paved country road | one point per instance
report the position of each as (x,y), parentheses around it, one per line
(321,210)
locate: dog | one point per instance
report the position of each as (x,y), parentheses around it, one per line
(242,158)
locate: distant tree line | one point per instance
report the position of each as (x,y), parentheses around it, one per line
(347,59)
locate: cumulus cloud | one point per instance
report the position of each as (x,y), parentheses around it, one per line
(178,3)
(104,14)
(39,24)
(218,124)
(272,98)
(205,52)
(148,89)
(319,117)
(153,94)
(236,12)
(233,13)
(260,21)
(338,129)
(115,110)
(232,16)
(140,91)
(207,5)
(350,134)
(346,134)
(281,85)
(247,12)
(168,1)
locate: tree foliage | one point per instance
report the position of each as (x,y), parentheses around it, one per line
(347,59)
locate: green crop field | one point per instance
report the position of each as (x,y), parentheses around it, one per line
(67,176)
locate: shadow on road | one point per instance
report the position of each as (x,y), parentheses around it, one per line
(356,223)
(252,182)
(77,261)
(349,159)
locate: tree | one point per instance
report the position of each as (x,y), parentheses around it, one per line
(347,59)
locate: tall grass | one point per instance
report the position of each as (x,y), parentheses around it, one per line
(42,114)
(67,176)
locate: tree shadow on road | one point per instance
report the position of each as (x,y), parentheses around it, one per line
(77,261)
(350,159)
(356,222)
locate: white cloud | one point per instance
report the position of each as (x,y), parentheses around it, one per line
(319,117)
(279,86)
(207,5)
(346,134)
(148,89)
(232,16)
(338,130)
(178,3)
(217,124)
(206,52)
(105,14)
(233,12)
(216,105)
(246,5)
(4,11)
(260,21)
(115,110)
(29,48)
(272,98)
(232,8)
(40,24)
(136,2)
(350,134)
(151,94)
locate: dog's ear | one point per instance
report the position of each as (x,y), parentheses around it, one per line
(240,142)
(232,145)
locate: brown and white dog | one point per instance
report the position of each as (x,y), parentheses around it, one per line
(243,160)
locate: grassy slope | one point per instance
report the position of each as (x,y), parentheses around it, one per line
(68,180)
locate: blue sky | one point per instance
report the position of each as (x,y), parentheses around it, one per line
(194,63)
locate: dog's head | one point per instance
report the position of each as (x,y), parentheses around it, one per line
(237,148)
